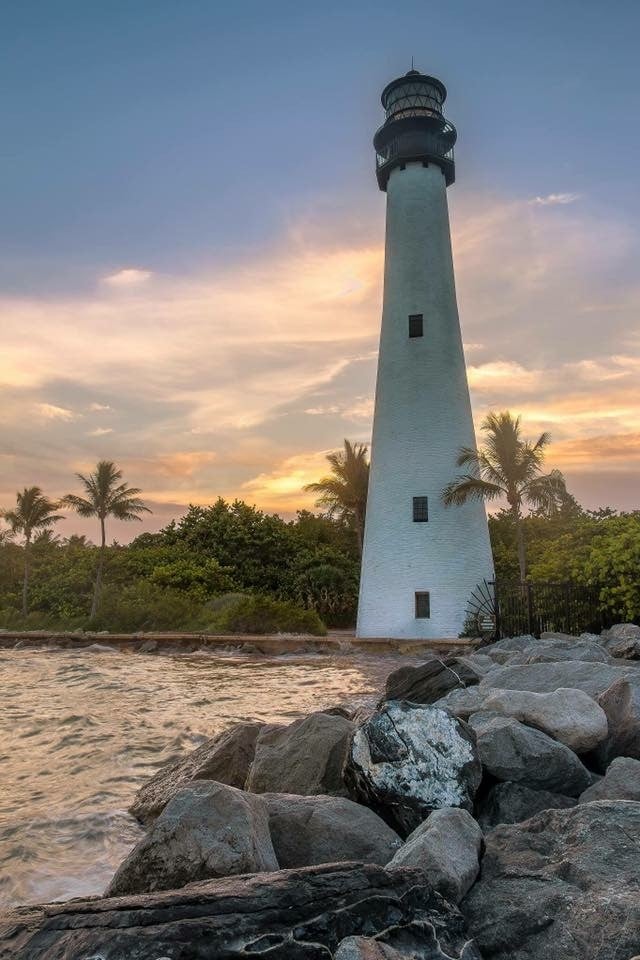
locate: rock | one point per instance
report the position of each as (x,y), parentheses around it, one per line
(306,758)
(623,640)
(288,915)
(501,650)
(555,647)
(447,847)
(509,750)
(309,830)
(513,803)
(570,716)
(564,885)
(225,759)
(462,703)
(620,782)
(430,681)
(593,678)
(621,704)
(207,830)
(409,760)
(415,941)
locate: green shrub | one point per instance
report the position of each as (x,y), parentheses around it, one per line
(146,606)
(257,614)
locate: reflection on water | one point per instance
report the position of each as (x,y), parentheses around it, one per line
(81,731)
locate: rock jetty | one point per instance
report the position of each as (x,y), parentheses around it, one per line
(487,809)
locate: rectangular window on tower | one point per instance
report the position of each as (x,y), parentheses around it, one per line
(420,509)
(415,325)
(423,606)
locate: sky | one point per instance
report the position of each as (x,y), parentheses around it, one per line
(191,236)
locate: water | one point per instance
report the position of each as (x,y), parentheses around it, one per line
(80,731)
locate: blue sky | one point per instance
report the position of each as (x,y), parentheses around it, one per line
(191,233)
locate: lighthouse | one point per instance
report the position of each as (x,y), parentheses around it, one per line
(421,560)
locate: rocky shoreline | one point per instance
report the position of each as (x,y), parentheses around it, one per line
(487,809)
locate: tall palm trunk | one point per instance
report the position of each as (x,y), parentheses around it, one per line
(98,584)
(25,581)
(522,549)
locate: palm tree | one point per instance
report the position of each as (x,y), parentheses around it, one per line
(105,496)
(33,512)
(344,490)
(508,466)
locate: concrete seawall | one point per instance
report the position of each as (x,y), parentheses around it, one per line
(268,644)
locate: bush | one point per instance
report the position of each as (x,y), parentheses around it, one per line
(256,614)
(146,606)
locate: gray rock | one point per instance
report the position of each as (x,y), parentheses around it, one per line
(593,678)
(408,760)
(623,640)
(447,847)
(554,648)
(225,759)
(311,830)
(570,716)
(501,650)
(429,681)
(621,704)
(564,885)
(620,782)
(292,914)
(462,702)
(513,803)
(307,757)
(415,941)
(509,750)
(207,830)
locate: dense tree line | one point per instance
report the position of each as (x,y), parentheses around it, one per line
(232,567)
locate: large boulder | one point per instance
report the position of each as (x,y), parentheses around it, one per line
(593,678)
(513,803)
(620,782)
(288,915)
(510,750)
(310,830)
(447,847)
(623,640)
(430,681)
(553,647)
(307,757)
(225,759)
(207,830)
(563,885)
(621,704)
(408,760)
(570,716)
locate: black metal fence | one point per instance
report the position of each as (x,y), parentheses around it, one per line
(499,609)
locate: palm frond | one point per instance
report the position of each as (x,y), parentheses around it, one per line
(469,487)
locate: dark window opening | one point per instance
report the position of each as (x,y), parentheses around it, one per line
(420,509)
(415,325)
(423,606)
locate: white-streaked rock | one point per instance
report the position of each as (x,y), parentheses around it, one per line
(408,760)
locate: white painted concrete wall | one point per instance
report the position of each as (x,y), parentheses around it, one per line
(422,418)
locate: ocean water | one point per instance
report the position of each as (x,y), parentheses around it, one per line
(81,730)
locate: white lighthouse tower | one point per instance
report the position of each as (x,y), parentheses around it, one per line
(421,560)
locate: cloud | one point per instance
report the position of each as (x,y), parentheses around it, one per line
(127,277)
(237,380)
(50,411)
(555,199)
